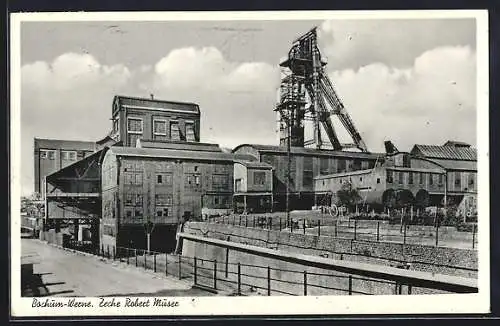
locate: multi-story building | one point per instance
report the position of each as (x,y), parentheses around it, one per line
(253,187)
(430,173)
(305,165)
(163,186)
(153,120)
(52,155)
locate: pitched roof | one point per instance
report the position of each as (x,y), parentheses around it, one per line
(177,154)
(448,152)
(159,104)
(310,151)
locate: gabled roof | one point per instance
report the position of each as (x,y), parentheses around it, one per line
(445,152)
(158,104)
(309,151)
(177,154)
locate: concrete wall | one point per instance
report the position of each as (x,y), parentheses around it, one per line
(391,254)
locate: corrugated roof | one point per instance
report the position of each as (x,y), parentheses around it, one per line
(447,152)
(254,164)
(180,145)
(310,151)
(177,154)
(154,103)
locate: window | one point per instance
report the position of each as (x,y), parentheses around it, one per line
(116,125)
(431,179)
(160,127)
(357,164)
(421,178)
(458,179)
(159,179)
(138,200)
(410,178)
(129,199)
(341,165)
(137,212)
(471,179)
(323,165)
(162,211)
(360,179)
(220,180)
(164,179)
(197,180)
(132,139)
(174,131)
(259,178)
(389,177)
(401,177)
(128,213)
(44,154)
(190,134)
(68,155)
(440,179)
(378,180)
(134,125)
(133,178)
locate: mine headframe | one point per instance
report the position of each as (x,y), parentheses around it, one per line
(304,72)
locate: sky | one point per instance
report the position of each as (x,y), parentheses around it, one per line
(408,81)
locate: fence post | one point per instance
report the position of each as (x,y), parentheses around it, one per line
(166,264)
(280,223)
(437,235)
(215,274)
(473,236)
(355,228)
(239,224)
(305,283)
(268,280)
(254,221)
(128,254)
(350,284)
(270,223)
(378,231)
(135,253)
(409,289)
(102,250)
(154,262)
(319,228)
(234,219)
(114,252)
(107,251)
(195,271)
(246,221)
(180,270)
(404,233)
(145,261)
(239,279)
(304,225)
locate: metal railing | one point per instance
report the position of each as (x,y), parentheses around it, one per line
(353,229)
(253,279)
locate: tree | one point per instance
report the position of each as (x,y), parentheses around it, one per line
(347,195)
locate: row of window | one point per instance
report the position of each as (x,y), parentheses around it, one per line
(137,212)
(136,126)
(136,178)
(136,200)
(51,155)
(419,177)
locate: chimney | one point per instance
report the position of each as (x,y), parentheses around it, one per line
(152,96)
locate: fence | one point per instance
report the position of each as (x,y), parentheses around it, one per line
(249,279)
(370,230)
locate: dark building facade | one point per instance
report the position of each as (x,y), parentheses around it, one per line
(305,164)
(51,155)
(163,186)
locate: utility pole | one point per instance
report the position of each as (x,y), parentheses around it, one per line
(288,148)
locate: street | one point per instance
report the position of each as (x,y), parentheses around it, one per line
(58,272)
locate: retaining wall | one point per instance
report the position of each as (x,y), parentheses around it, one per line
(440,260)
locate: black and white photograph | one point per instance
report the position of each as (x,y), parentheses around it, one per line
(242,163)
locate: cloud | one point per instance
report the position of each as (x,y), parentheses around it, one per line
(429,102)
(396,43)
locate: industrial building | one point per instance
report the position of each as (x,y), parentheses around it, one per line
(429,173)
(305,165)
(51,155)
(253,187)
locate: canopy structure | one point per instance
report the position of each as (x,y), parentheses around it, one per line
(74,192)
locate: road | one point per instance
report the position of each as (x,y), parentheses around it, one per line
(59,272)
